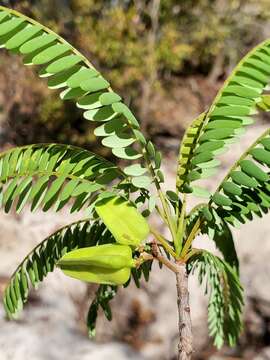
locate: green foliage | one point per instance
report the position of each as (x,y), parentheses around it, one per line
(104,295)
(186,155)
(264,103)
(187,35)
(108,36)
(217,230)
(225,297)
(117,35)
(51,175)
(119,201)
(245,191)
(231,112)
(66,68)
(221,234)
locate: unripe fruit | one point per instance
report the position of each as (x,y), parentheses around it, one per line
(123,220)
(101,264)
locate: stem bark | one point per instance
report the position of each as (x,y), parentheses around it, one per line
(185,348)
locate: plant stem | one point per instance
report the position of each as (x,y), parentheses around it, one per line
(163,242)
(156,254)
(185,348)
(170,265)
(166,209)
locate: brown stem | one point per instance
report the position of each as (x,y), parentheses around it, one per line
(185,348)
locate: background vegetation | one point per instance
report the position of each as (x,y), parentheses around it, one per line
(164,56)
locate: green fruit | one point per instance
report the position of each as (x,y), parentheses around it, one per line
(102,264)
(123,220)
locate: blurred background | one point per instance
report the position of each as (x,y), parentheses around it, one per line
(167,58)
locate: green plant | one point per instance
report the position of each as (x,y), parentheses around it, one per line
(112,244)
